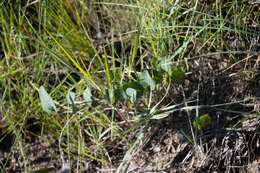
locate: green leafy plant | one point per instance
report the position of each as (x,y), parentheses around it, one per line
(131,93)
(174,72)
(109,44)
(202,122)
(87,95)
(146,80)
(178,75)
(47,102)
(71,100)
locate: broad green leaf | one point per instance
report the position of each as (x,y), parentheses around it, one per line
(132,94)
(135,85)
(71,100)
(178,75)
(202,122)
(158,76)
(111,96)
(71,97)
(47,103)
(146,80)
(88,96)
(120,95)
(165,65)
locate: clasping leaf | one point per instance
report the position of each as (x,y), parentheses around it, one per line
(47,103)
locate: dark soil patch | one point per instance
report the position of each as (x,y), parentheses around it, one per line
(39,153)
